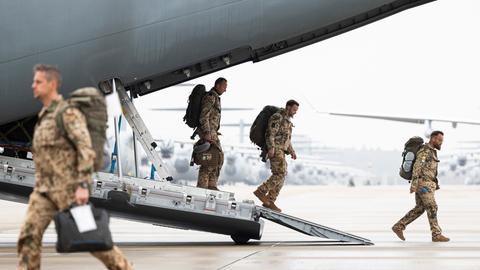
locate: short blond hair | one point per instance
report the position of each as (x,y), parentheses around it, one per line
(51,72)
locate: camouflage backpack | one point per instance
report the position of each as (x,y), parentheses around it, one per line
(259,128)
(91,102)
(409,156)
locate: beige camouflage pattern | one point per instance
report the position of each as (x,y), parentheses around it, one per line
(59,167)
(59,164)
(278,136)
(279,132)
(423,202)
(272,186)
(209,124)
(210,115)
(425,167)
(424,175)
(208,175)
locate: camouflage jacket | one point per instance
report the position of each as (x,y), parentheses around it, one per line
(279,132)
(425,168)
(61,163)
(210,115)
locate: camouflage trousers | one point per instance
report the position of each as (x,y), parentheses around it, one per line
(424,202)
(272,186)
(41,210)
(208,175)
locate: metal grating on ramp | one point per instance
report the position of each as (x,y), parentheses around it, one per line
(310,228)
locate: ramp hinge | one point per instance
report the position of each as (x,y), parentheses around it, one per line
(211,203)
(8,170)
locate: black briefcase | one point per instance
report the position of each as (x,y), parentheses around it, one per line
(69,239)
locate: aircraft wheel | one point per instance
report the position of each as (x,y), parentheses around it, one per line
(239,240)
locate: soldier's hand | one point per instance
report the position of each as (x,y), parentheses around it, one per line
(271,153)
(413,189)
(294,155)
(81,196)
(208,138)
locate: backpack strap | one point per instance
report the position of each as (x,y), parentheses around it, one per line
(211,94)
(39,120)
(195,133)
(59,120)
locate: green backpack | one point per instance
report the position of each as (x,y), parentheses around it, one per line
(91,102)
(409,156)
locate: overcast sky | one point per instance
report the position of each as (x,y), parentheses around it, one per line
(423,62)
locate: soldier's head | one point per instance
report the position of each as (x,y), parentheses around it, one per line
(291,107)
(221,85)
(436,139)
(46,81)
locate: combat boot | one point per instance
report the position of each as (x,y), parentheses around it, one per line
(398,231)
(440,238)
(271,205)
(262,197)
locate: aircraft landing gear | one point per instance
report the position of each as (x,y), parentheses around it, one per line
(239,239)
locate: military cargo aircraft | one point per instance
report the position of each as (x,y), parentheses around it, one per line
(155,44)
(147,46)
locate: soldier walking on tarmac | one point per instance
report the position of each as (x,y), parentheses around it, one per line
(278,141)
(63,171)
(424,184)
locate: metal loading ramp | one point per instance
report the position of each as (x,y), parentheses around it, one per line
(310,228)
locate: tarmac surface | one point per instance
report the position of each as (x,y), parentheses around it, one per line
(364,211)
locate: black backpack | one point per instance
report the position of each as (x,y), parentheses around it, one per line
(409,156)
(192,114)
(259,128)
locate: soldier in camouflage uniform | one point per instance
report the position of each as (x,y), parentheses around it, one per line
(278,139)
(62,171)
(424,184)
(209,124)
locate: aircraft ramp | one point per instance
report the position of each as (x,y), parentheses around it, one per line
(310,228)
(166,204)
